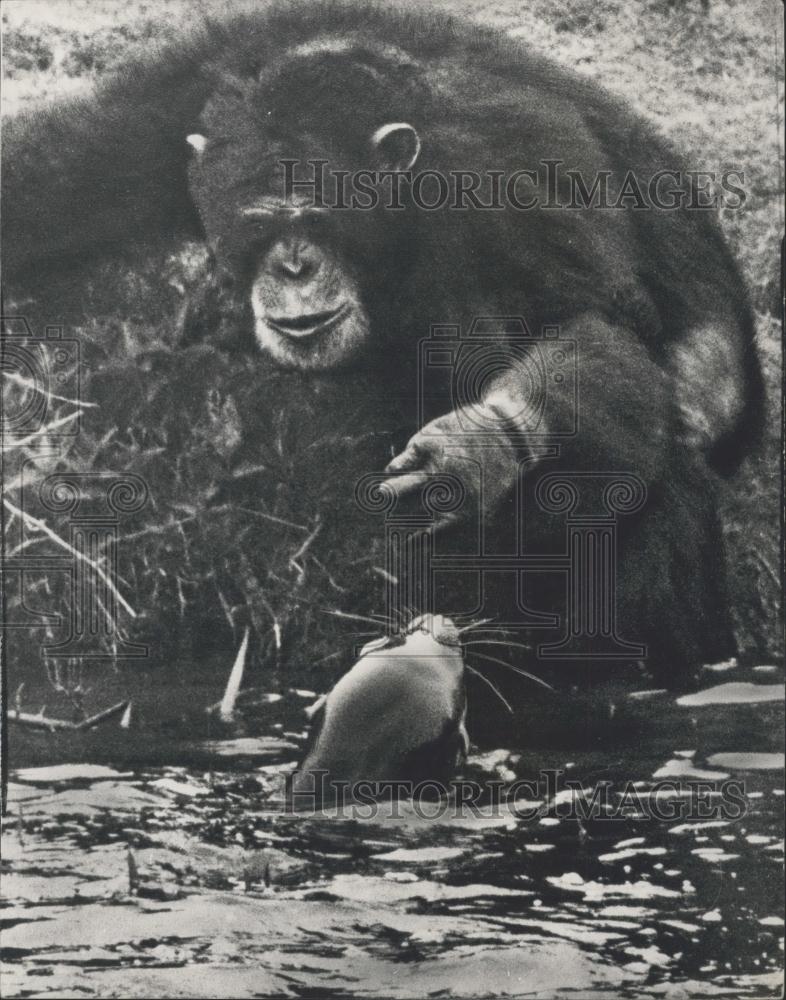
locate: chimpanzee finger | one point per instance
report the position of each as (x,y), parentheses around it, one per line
(406,484)
(412,457)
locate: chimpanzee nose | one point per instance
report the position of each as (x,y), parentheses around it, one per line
(294,260)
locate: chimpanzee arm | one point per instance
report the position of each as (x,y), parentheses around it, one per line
(624,419)
(91,175)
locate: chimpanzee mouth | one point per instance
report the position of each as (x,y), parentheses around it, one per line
(308,324)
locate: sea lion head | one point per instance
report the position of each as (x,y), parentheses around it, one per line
(397,716)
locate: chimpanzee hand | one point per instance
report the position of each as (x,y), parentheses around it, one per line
(475,444)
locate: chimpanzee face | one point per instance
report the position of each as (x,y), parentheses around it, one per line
(306,301)
(305,267)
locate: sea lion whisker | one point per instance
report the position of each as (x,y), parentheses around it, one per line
(492,685)
(516,670)
(476,625)
(492,630)
(376,622)
(381,618)
(499,642)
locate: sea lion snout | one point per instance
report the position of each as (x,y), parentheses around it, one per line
(440,627)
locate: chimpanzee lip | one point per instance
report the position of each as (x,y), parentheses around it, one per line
(308,324)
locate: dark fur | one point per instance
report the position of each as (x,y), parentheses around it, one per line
(633,287)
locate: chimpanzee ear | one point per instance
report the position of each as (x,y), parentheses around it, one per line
(397,146)
(197,142)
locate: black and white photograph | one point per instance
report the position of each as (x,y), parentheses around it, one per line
(391,540)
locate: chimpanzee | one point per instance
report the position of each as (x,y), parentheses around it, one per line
(361,174)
